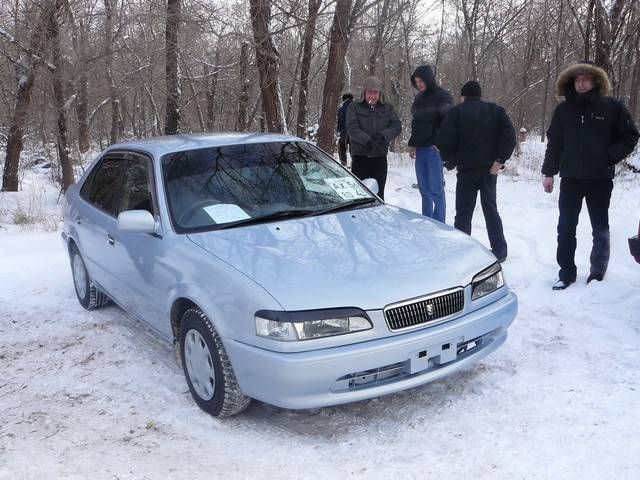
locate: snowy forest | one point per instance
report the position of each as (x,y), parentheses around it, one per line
(77,75)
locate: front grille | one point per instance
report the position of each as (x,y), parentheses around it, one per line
(424,310)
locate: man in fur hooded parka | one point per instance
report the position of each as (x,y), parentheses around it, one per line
(589,133)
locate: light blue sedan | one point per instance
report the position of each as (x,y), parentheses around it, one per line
(278,275)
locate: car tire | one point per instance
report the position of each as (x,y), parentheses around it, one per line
(207,367)
(88,295)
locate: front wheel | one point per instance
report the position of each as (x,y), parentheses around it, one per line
(207,368)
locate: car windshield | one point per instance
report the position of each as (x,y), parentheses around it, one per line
(231,185)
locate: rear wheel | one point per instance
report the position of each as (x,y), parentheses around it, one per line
(207,368)
(88,295)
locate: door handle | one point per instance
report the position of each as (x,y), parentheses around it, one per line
(110,240)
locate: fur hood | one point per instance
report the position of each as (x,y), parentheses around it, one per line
(600,78)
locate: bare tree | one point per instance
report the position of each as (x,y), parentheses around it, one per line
(172,123)
(53,32)
(338,46)
(79,38)
(267,60)
(212,84)
(241,121)
(33,57)
(381,25)
(108,56)
(309,33)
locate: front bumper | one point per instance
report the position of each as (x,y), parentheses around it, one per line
(349,373)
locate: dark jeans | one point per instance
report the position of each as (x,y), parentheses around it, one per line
(343,142)
(597,193)
(467,187)
(371,167)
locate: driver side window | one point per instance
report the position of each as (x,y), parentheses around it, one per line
(136,186)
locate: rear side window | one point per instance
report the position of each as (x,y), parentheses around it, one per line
(104,184)
(136,192)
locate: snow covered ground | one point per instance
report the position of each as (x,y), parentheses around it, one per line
(95,394)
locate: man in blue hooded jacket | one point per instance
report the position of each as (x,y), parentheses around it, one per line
(429,108)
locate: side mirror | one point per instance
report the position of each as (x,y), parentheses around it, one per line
(136,221)
(371,184)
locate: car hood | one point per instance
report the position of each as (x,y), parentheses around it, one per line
(365,258)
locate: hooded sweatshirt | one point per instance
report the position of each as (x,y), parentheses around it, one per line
(428,109)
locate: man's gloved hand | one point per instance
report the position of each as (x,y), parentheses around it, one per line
(379,140)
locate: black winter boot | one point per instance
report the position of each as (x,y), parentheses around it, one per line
(595,276)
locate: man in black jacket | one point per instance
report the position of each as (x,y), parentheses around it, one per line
(589,133)
(343,138)
(477,137)
(429,108)
(371,126)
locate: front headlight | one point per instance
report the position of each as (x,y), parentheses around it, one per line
(310,324)
(487,281)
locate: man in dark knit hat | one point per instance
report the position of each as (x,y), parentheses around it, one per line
(589,133)
(371,126)
(477,138)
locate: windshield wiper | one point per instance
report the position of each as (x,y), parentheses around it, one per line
(265,218)
(344,206)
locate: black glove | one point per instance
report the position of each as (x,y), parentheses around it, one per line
(379,140)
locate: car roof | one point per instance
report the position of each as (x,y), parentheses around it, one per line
(159,146)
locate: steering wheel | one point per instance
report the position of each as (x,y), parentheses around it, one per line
(188,213)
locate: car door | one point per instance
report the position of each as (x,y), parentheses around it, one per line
(143,275)
(95,221)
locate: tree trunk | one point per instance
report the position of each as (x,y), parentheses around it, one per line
(243,100)
(212,84)
(292,89)
(267,59)
(634,88)
(379,37)
(79,41)
(338,46)
(23,98)
(309,33)
(543,124)
(172,122)
(108,54)
(53,32)
(82,106)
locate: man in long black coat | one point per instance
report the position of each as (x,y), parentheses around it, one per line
(589,133)
(477,138)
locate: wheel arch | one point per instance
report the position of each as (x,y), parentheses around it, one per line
(179,306)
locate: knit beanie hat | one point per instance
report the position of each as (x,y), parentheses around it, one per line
(471,89)
(373,83)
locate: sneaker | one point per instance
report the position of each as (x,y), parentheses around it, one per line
(561,285)
(595,276)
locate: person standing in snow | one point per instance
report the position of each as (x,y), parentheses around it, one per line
(371,126)
(589,133)
(477,138)
(429,108)
(343,138)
